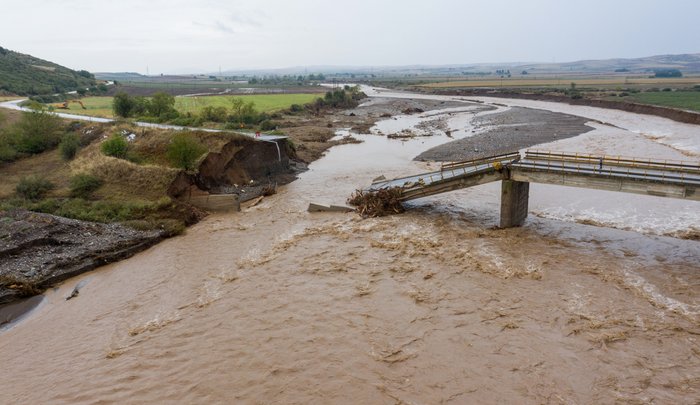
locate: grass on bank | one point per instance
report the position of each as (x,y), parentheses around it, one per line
(102,106)
(90,185)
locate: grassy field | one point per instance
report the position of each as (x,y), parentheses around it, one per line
(263,102)
(566,82)
(102,106)
(8,98)
(687,100)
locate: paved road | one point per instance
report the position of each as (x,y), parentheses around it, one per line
(14,105)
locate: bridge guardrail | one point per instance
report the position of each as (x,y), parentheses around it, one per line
(636,163)
(474,162)
(611,171)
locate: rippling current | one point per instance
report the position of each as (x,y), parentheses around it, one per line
(277,305)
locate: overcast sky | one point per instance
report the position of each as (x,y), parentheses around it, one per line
(201,35)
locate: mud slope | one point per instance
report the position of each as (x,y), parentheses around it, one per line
(41,249)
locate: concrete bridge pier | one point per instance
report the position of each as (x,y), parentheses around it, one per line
(514,202)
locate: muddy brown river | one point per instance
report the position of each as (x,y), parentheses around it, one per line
(277,305)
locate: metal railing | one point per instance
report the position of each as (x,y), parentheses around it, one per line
(620,161)
(674,171)
(664,171)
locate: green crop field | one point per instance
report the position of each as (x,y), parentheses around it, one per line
(263,102)
(687,100)
(102,106)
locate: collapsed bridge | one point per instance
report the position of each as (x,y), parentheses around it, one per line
(673,179)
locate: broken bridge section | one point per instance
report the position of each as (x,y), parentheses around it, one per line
(673,179)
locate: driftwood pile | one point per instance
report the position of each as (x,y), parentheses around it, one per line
(377,203)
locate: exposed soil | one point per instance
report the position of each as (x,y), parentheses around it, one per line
(38,250)
(509,131)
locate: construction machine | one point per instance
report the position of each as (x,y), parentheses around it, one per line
(64,105)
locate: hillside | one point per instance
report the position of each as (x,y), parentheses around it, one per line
(687,63)
(26,75)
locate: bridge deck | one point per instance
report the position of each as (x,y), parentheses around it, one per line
(646,176)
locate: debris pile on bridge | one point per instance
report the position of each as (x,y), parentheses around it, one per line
(377,203)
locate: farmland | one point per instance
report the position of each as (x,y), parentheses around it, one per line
(102,106)
(565,81)
(687,100)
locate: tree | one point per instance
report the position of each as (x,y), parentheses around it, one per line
(243,112)
(122,105)
(161,105)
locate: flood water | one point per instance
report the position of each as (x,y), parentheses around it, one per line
(277,305)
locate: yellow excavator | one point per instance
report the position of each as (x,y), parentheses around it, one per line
(64,105)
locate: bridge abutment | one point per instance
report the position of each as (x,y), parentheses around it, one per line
(514,203)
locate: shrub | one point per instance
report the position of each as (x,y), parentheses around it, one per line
(33,105)
(36,132)
(33,187)
(161,105)
(122,105)
(7,152)
(214,114)
(267,125)
(187,121)
(116,146)
(83,185)
(70,143)
(184,150)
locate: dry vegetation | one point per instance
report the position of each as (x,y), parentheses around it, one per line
(132,190)
(377,203)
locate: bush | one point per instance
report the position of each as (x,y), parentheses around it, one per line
(33,187)
(83,185)
(187,121)
(267,125)
(122,105)
(184,150)
(214,114)
(32,105)
(162,105)
(7,152)
(116,146)
(70,143)
(36,132)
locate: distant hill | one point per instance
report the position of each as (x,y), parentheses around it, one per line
(124,76)
(686,63)
(26,75)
